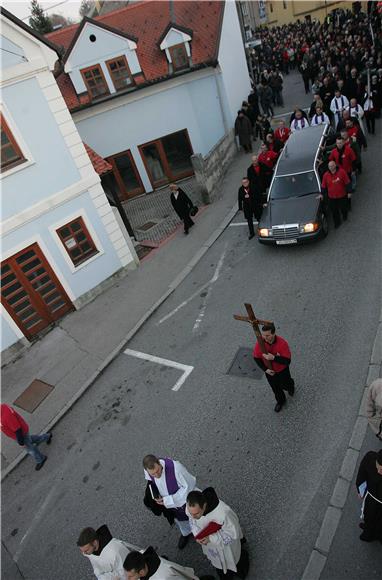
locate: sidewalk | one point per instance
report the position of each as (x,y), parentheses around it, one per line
(152,216)
(349,558)
(81,345)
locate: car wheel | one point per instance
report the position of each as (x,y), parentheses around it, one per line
(324,226)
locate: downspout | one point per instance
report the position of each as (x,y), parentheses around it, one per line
(220,99)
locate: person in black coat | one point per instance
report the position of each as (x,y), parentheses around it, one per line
(369,487)
(249,201)
(256,174)
(182,205)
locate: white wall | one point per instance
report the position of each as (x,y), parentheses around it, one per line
(106,46)
(11,53)
(233,62)
(154,112)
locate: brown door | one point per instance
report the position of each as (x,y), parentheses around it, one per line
(127,180)
(168,158)
(31,292)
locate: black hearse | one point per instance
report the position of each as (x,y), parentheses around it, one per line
(294,212)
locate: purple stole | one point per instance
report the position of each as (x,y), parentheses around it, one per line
(342,102)
(172,487)
(302,123)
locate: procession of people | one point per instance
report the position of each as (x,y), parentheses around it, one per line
(342,67)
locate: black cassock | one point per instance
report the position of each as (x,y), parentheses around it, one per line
(183,205)
(373,503)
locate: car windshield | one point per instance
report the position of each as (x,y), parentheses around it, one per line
(294,185)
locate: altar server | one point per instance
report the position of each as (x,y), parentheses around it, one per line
(217,529)
(106,554)
(150,565)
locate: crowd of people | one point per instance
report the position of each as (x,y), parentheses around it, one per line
(334,59)
(341,64)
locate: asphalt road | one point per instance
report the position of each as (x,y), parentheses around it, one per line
(276,470)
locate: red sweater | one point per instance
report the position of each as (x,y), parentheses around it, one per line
(347,156)
(11,421)
(335,183)
(282,134)
(268,158)
(278,347)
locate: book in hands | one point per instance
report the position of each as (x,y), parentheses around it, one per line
(210,529)
(362,489)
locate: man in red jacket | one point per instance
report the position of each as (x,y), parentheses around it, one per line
(336,187)
(13,425)
(278,353)
(344,156)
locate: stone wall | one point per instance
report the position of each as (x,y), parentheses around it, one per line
(209,170)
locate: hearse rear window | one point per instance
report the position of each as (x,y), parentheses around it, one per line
(294,185)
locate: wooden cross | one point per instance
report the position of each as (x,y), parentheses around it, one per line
(251,318)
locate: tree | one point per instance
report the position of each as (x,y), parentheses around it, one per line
(38,20)
(59,21)
(86,7)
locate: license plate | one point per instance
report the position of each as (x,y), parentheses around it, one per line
(285,242)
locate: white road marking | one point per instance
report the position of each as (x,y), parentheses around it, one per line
(195,294)
(241,223)
(185,302)
(187,369)
(35,522)
(205,299)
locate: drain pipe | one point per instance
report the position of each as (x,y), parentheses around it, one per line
(220,99)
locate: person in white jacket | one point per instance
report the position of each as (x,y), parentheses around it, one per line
(338,104)
(106,554)
(355,110)
(149,565)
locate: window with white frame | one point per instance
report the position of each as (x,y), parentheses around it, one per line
(77,241)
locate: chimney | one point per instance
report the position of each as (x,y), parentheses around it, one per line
(172,11)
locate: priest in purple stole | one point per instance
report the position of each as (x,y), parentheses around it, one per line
(168,484)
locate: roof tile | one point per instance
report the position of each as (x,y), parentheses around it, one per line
(147,20)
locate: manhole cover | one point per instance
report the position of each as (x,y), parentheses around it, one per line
(147,226)
(243,365)
(33,395)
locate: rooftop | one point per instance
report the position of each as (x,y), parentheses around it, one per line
(300,151)
(146,21)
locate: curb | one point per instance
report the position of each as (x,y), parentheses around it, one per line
(332,518)
(115,352)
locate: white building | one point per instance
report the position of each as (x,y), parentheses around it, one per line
(61,242)
(153,83)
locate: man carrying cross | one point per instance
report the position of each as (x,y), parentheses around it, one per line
(278,354)
(272,355)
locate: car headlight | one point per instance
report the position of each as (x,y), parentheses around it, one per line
(309,228)
(264,232)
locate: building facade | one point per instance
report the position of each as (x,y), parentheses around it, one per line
(152,84)
(281,12)
(61,242)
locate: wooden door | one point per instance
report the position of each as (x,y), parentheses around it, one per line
(168,158)
(31,292)
(125,174)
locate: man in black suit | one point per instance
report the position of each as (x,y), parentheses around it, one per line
(182,205)
(250,202)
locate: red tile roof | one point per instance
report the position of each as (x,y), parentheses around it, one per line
(100,165)
(146,21)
